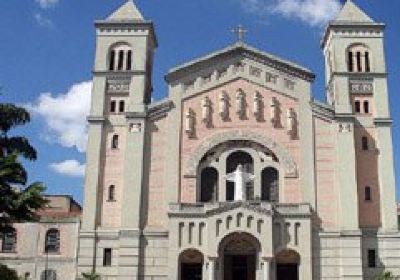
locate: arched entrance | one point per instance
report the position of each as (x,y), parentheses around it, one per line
(191,265)
(239,254)
(287,265)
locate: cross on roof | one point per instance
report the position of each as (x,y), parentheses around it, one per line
(240,32)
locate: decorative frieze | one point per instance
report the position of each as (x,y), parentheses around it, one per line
(361,87)
(118,84)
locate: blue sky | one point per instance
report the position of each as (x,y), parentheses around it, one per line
(47,54)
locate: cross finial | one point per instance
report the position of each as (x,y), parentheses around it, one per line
(240,32)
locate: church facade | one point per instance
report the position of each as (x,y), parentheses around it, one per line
(239,173)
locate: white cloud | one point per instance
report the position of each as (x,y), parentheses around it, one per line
(70,168)
(43,21)
(44,4)
(65,115)
(311,12)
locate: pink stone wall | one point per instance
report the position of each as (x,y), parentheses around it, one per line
(367,175)
(113,175)
(292,192)
(327,194)
(157,200)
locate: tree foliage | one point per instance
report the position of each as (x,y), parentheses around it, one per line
(8,273)
(386,276)
(18,200)
(12,116)
(91,276)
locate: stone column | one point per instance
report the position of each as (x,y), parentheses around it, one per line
(222,179)
(266,268)
(211,268)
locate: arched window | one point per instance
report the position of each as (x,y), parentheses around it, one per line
(122,106)
(368,193)
(367,62)
(8,240)
(111,193)
(52,244)
(48,274)
(129,60)
(208,185)
(112,60)
(364,143)
(350,61)
(358,58)
(120,60)
(359,65)
(357,106)
(366,107)
(113,106)
(269,184)
(114,142)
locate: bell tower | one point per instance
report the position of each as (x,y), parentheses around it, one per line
(356,80)
(122,87)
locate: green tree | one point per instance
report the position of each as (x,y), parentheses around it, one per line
(386,276)
(7,273)
(18,201)
(91,276)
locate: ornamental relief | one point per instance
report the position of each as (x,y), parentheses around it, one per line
(240,106)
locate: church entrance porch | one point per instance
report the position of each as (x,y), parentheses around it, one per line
(239,253)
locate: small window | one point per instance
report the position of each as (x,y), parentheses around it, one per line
(366,107)
(107,257)
(359,65)
(122,106)
(357,106)
(371,258)
(368,193)
(114,142)
(364,143)
(111,193)
(367,62)
(120,60)
(112,106)
(52,244)
(9,240)
(129,60)
(350,61)
(112,60)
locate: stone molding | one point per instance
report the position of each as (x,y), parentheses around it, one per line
(283,155)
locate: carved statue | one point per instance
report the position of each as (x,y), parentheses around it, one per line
(206,110)
(240,178)
(224,106)
(190,123)
(241,104)
(274,111)
(257,106)
(291,122)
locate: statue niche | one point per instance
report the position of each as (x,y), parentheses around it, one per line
(206,111)
(224,106)
(258,107)
(190,122)
(241,104)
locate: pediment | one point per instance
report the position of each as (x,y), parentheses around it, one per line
(230,56)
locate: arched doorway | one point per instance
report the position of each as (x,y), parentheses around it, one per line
(287,265)
(191,265)
(239,256)
(232,163)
